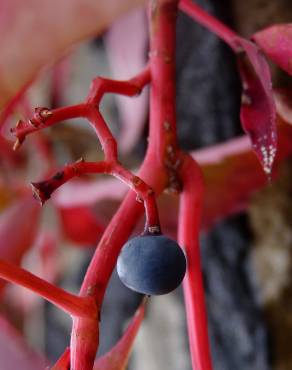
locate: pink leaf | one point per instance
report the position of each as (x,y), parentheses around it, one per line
(258,110)
(14,353)
(276,43)
(117,358)
(126,44)
(34,33)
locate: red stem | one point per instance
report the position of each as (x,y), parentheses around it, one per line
(188,237)
(63,362)
(210,22)
(75,306)
(153,171)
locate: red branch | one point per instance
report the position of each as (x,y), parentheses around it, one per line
(210,22)
(63,362)
(74,305)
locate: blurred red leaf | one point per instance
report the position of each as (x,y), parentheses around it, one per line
(258,110)
(42,260)
(231,175)
(117,358)
(276,43)
(81,225)
(231,181)
(18,228)
(231,171)
(128,58)
(14,352)
(283,99)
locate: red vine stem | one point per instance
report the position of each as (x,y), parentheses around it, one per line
(188,237)
(74,305)
(63,362)
(153,171)
(210,22)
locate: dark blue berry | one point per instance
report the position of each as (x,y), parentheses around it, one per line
(151,264)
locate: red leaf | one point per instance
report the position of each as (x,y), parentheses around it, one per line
(126,59)
(18,227)
(117,358)
(234,176)
(81,225)
(14,353)
(258,110)
(276,43)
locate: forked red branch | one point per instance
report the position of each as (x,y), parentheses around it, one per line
(73,305)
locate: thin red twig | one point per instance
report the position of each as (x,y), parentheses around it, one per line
(213,24)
